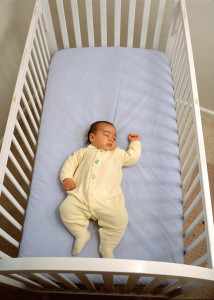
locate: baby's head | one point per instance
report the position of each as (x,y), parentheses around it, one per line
(102,135)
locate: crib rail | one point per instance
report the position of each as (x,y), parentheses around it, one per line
(108,23)
(163,280)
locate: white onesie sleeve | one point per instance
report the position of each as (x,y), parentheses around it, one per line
(131,156)
(71,164)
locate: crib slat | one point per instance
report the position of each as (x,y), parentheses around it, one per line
(40,57)
(12,282)
(153,284)
(103,21)
(201,260)
(184,109)
(173,286)
(178,63)
(16,184)
(195,243)
(23,156)
(27,126)
(131,283)
(24,139)
(109,282)
(10,218)
(13,200)
(187,123)
(132,6)
(25,280)
(175,46)
(145,23)
(159,24)
(117,20)
(182,86)
(34,89)
(9,238)
(89,16)
(193,185)
(86,281)
(31,100)
(76,22)
(184,96)
(62,22)
(178,43)
(4,255)
(189,173)
(64,280)
(182,71)
(189,137)
(192,206)
(44,37)
(175,60)
(19,169)
(43,280)
(38,67)
(36,78)
(172,33)
(42,48)
(29,113)
(194,224)
(190,153)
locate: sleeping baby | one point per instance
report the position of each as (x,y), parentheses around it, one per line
(91,177)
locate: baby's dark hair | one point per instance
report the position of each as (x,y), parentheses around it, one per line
(94,127)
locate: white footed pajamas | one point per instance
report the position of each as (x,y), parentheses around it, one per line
(97,174)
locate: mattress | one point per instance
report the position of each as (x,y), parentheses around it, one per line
(132,88)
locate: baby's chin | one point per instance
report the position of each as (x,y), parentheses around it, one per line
(108,148)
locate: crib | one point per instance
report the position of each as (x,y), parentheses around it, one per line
(161,25)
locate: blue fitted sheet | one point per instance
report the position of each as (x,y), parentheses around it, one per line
(131,88)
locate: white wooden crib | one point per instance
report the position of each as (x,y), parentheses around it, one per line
(160,25)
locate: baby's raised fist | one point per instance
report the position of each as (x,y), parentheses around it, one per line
(134,137)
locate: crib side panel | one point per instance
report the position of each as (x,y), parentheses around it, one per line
(162,280)
(130,23)
(198,219)
(21,135)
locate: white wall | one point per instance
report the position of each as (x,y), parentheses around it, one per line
(15,18)
(201,22)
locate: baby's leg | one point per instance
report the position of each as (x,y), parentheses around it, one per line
(75,217)
(112,221)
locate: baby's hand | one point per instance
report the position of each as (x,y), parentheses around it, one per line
(133,137)
(69,184)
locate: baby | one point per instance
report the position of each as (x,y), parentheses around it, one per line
(91,177)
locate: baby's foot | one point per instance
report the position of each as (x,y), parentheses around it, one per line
(106,252)
(81,242)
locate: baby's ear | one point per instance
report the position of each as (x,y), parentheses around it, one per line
(91,137)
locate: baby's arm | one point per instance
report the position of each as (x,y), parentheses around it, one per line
(69,168)
(131,156)
(69,184)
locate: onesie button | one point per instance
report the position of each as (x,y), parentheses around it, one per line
(97,161)
(93,176)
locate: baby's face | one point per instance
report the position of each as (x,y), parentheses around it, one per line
(104,138)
